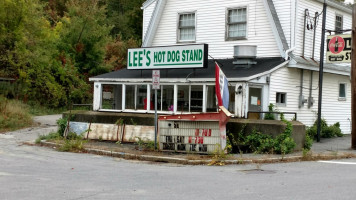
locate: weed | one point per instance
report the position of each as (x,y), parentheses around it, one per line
(13,115)
(270,116)
(219,155)
(133,122)
(145,145)
(75,145)
(120,122)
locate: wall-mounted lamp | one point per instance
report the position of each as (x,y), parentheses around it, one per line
(239,89)
(97,86)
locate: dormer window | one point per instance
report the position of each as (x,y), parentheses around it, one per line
(186,27)
(236,27)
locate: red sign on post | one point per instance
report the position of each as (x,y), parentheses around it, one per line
(155,79)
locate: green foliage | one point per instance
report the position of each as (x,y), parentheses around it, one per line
(72,145)
(326,130)
(62,124)
(308,143)
(263,143)
(270,116)
(126,18)
(50,136)
(84,36)
(145,145)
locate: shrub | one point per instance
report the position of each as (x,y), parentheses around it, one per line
(326,130)
(263,143)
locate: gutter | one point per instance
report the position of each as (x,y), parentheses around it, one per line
(337,5)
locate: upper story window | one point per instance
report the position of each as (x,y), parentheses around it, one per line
(186,27)
(338,23)
(236,27)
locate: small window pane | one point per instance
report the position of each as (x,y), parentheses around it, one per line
(187,27)
(281,99)
(237,21)
(342,90)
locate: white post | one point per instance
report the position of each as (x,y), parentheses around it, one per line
(123,96)
(97,96)
(204,98)
(148,103)
(175,98)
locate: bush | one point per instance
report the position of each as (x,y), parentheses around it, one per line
(326,131)
(263,143)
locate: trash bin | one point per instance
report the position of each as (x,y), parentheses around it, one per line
(202,132)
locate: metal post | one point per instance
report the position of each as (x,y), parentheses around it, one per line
(353,81)
(155,119)
(321,69)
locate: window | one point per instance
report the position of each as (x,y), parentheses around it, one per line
(186,27)
(338,24)
(281,99)
(342,91)
(236,24)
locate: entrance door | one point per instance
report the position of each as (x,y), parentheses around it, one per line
(254,102)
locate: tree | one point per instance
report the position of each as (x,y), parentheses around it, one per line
(126,18)
(84,37)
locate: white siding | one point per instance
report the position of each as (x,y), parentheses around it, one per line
(288,80)
(314,6)
(284,12)
(210,26)
(147,14)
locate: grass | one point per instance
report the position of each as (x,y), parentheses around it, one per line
(13,115)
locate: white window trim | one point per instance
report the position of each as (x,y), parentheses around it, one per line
(342,22)
(227,38)
(342,98)
(195,27)
(285,99)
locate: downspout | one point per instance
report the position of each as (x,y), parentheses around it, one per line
(301,98)
(316,14)
(310,98)
(305,21)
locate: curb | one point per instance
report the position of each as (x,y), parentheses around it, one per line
(184,161)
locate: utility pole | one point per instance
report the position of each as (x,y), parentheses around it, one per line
(353,81)
(321,70)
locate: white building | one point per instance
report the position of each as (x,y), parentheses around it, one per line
(283,68)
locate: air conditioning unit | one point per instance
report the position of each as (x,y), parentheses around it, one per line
(245,51)
(245,55)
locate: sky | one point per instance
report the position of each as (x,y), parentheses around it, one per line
(349,1)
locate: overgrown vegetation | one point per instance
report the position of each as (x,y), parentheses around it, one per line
(263,143)
(327,131)
(13,115)
(50,48)
(71,143)
(270,116)
(145,145)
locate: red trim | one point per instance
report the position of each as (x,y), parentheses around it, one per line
(217,84)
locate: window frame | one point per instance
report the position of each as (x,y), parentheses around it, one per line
(227,24)
(337,29)
(345,89)
(278,99)
(179,28)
